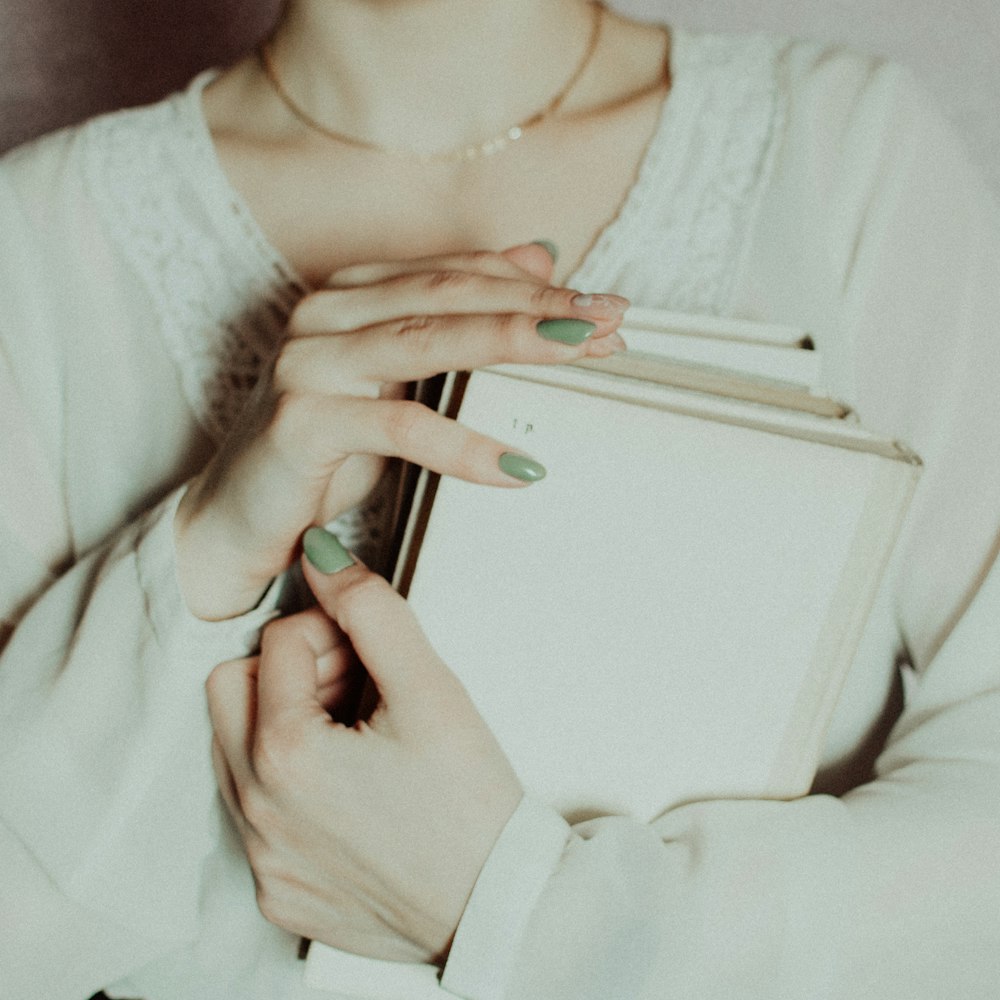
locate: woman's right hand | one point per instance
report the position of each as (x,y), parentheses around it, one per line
(316,431)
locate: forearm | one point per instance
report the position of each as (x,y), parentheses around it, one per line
(890,891)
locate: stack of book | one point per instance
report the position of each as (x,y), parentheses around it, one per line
(668,616)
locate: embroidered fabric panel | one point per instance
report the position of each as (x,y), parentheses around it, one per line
(677,240)
(220,310)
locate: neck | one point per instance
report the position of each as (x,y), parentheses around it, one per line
(428,74)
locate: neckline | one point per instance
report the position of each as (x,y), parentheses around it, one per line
(234,214)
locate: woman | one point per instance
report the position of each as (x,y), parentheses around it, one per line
(155,260)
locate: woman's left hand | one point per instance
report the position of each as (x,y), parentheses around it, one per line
(370,837)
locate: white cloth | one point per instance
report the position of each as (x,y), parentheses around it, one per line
(785,182)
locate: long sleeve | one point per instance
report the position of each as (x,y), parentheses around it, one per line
(104,768)
(889,250)
(107,801)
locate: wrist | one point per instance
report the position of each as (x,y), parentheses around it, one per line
(215,562)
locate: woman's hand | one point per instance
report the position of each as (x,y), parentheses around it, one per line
(366,838)
(312,440)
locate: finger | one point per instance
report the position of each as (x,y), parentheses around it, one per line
(443,291)
(537,259)
(516,262)
(339,676)
(327,428)
(378,622)
(342,696)
(232,701)
(416,348)
(292,652)
(336,674)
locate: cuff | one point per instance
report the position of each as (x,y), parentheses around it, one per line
(489,935)
(354,977)
(171,619)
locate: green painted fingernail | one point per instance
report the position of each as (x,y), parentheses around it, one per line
(549,247)
(325,552)
(566,331)
(521,467)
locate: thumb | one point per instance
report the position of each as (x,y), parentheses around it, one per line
(378,622)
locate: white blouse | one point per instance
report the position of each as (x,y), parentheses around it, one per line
(785,182)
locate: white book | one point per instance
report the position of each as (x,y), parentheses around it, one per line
(743,331)
(779,354)
(669,615)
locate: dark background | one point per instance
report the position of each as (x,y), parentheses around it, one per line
(63,60)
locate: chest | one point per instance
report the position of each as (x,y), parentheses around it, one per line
(326,206)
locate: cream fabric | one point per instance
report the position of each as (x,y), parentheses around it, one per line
(786,182)
(951,50)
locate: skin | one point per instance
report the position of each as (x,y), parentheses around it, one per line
(405,289)
(563,182)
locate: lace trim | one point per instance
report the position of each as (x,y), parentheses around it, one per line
(220,310)
(677,240)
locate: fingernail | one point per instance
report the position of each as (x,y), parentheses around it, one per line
(549,247)
(606,305)
(566,331)
(521,467)
(325,552)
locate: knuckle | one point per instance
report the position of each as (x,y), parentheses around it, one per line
(275,757)
(403,422)
(289,364)
(324,311)
(504,332)
(276,633)
(543,300)
(293,421)
(448,281)
(416,333)
(308,314)
(357,598)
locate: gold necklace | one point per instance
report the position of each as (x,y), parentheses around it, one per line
(472,152)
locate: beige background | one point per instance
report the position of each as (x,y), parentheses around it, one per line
(61,60)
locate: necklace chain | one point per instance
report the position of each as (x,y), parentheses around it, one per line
(470,152)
